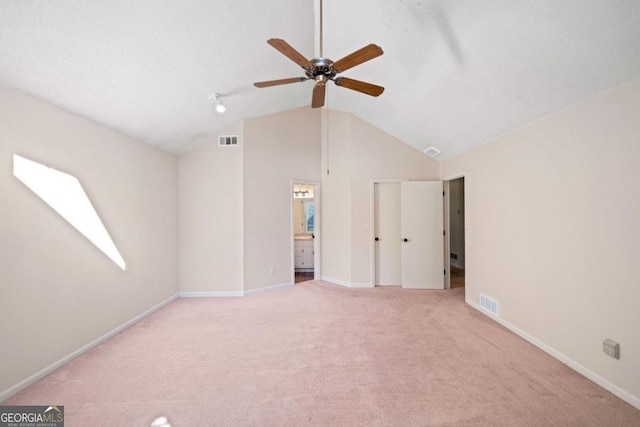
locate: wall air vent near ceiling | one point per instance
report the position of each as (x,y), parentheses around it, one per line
(432,152)
(227,140)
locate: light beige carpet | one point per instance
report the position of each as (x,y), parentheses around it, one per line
(320,354)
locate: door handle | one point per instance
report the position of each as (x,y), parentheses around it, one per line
(377,239)
(405,240)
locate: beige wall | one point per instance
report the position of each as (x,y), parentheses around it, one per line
(336,195)
(251,188)
(359,153)
(235,203)
(553,225)
(279,148)
(210,216)
(58,292)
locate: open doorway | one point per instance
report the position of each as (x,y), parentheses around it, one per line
(455,220)
(304,231)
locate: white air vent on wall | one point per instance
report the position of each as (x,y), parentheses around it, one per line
(489,304)
(227,140)
(432,152)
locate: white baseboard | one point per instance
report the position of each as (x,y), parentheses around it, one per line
(602,382)
(225,294)
(336,281)
(346,284)
(268,289)
(210,294)
(4,395)
(361,285)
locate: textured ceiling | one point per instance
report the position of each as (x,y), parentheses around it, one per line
(457,73)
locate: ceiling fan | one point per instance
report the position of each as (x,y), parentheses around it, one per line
(322,69)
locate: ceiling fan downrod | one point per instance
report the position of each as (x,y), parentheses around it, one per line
(321,33)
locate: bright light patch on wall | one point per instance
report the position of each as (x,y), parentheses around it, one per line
(65,195)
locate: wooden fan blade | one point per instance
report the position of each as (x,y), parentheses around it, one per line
(286,49)
(270,83)
(357,85)
(358,57)
(319,92)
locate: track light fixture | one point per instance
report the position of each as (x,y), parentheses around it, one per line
(220,107)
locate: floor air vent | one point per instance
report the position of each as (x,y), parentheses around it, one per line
(227,140)
(489,304)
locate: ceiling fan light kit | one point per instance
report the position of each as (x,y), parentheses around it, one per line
(321,69)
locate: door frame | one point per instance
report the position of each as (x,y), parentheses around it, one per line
(317,229)
(447,226)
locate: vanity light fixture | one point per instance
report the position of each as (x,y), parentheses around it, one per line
(303,192)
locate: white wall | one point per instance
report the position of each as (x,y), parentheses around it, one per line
(211,222)
(58,292)
(553,215)
(279,148)
(359,153)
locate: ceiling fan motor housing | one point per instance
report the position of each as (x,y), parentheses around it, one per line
(321,67)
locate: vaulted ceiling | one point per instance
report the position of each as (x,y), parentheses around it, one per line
(457,73)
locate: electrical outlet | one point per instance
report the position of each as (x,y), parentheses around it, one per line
(611,348)
(272,271)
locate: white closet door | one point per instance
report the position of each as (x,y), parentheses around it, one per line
(388,264)
(422,227)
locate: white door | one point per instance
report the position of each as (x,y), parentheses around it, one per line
(422,235)
(298,221)
(388,263)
